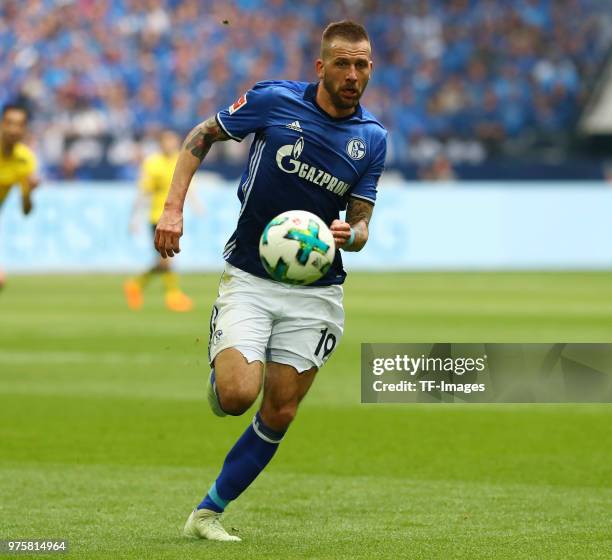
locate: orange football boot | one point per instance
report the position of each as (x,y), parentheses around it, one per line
(133,294)
(178,301)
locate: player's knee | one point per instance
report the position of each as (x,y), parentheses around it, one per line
(237,401)
(237,383)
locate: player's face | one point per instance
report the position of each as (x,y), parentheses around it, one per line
(345,72)
(169,143)
(13,126)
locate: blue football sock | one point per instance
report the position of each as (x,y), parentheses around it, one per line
(249,456)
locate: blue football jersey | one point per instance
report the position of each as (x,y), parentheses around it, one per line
(301,158)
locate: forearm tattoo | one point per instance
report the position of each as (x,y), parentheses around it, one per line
(203,136)
(358,215)
(359,210)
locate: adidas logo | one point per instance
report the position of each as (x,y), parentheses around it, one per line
(295,125)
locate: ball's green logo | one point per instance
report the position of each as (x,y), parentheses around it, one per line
(309,241)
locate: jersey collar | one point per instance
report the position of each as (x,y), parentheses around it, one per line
(311,95)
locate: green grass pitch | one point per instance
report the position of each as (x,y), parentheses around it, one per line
(106,439)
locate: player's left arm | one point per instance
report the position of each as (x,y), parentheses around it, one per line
(352,234)
(358,215)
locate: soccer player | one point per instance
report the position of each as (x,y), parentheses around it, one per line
(316,149)
(17,162)
(155,179)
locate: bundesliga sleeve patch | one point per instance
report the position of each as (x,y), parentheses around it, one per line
(241,102)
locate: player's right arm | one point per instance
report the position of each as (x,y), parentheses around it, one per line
(194,150)
(248,114)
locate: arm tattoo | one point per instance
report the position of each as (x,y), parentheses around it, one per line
(358,215)
(359,210)
(203,136)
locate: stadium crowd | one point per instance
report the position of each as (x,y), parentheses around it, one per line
(467,78)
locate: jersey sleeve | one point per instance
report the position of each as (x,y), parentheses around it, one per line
(249,113)
(365,189)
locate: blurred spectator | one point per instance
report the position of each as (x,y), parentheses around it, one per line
(465,77)
(440,169)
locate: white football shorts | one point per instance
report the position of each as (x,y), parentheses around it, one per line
(272,322)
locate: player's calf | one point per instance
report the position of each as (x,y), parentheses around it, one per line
(283,391)
(278,417)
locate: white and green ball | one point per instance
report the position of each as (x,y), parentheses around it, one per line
(296,247)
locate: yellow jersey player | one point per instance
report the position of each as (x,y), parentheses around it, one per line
(17,162)
(154,184)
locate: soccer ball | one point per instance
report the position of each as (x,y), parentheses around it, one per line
(296,247)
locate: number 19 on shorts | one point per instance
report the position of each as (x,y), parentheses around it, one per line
(326,344)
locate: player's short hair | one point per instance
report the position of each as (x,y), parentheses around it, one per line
(345,29)
(165,131)
(16,107)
